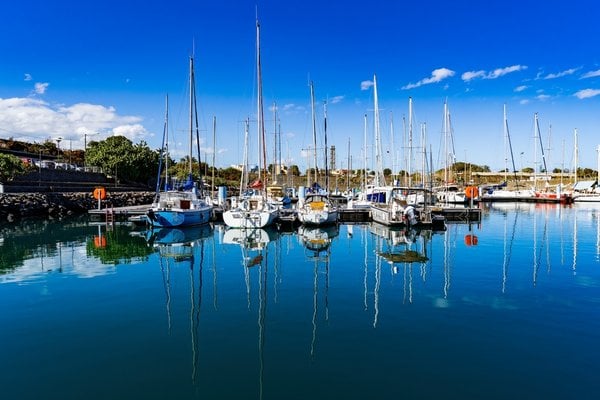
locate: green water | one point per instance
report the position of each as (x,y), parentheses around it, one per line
(505,309)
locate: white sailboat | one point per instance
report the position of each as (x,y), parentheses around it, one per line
(183,206)
(317,208)
(252,210)
(500,192)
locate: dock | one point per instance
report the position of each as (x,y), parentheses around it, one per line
(452,214)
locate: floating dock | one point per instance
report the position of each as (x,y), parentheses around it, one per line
(452,214)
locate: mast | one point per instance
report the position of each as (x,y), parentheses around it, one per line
(410,135)
(378,178)
(445,143)
(164,148)
(394,178)
(576,155)
(512,158)
(261,129)
(314,128)
(214,151)
(365,157)
(191,113)
(276,162)
(537,130)
(325,136)
(244,178)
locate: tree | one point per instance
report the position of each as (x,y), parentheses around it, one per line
(387,172)
(10,166)
(119,157)
(294,170)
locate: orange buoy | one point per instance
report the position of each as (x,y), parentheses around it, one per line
(471,240)
(99,242)
(100,193)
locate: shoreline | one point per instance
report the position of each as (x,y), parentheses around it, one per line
(15,206)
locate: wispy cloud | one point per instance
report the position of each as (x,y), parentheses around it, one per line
(542,97)
(467,76)
(524,101)
(521,88)
(591,74)
(28,77)
(497,73)
(567,72)
(587,93)
(365,85)
(41,87)
(336,99)
(437,75)
(32,117)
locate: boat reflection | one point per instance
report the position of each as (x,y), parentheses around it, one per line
(317,239)
(177,243)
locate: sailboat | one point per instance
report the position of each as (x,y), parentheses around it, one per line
(183,206)
(500,192)
(316,208)
(450,193)
(251,209)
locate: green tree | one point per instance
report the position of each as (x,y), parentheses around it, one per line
(10,166)
(294,170)
(119,157)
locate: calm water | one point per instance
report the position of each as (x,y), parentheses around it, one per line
(507,309)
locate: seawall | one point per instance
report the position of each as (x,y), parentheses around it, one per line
(14,206)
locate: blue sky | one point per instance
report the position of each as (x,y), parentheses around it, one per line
(74,68)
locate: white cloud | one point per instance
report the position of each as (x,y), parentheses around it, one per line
(336,99)
(27,77)
(570,71)
(542,97)
(521,88)
(587,93)
(498,72)
(524,101)
(365,85)
(467,76)
(34,118)
(437,75)
(591,74)
(40,88)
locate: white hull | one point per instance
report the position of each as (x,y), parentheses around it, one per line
(241,219)
(321,217)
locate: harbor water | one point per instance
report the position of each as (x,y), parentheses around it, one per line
(503,309)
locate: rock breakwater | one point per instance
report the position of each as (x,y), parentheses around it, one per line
(14,206)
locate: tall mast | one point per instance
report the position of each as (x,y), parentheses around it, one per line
(445,143)
(214,150)
(192,84)
(314,128)
(378,179)
(325,137)
(512,158)
(576,155)
(410,135)
(365,156)
(276,162)
(393,147)
(261,129)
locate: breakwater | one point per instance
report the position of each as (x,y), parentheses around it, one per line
(14,206)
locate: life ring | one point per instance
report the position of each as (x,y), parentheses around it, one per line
(99,193)
(471,192)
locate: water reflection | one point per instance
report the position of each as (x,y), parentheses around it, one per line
(317,243)
(32,249)
(289,308)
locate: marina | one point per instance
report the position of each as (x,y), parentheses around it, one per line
(509,301)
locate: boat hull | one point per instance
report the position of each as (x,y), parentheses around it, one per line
(317,218)
(249,219)
(177,218)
